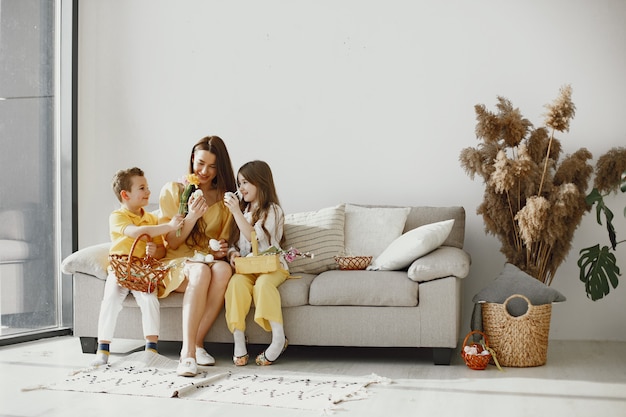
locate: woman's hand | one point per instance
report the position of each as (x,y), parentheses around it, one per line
(197,207)
(222,251)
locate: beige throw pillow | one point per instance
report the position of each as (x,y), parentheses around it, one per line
(369,230)
(320,232)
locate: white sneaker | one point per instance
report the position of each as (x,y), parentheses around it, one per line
(203,357)
(187,367)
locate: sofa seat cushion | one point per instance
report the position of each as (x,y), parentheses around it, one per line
(294,292)
(363,288)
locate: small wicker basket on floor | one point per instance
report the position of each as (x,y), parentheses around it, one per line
(138,274)
(478,361)
(353,262)
(518,341)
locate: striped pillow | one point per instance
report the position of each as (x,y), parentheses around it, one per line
(319,232)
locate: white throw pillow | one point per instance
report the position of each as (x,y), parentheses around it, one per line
(444,261)
(369,230)
(319,232)
(411,245)
(92,260)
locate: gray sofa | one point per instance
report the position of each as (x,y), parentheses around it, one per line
(416,306)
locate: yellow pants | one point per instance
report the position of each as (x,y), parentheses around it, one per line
(263,289)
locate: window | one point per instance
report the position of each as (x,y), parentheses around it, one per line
(36,216)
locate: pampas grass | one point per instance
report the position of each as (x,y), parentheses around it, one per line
(533,201)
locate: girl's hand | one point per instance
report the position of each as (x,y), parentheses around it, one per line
(234,255)
(232,202)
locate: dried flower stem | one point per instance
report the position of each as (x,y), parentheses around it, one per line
(545,164)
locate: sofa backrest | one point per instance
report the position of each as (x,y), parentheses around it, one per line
(421,215)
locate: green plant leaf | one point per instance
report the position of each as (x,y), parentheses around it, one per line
(598,269)
(594,197)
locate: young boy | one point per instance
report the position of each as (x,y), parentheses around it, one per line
(125,225)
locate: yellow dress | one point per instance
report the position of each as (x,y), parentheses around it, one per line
(217,219)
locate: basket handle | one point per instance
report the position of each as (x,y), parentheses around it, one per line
(511,297)
(132,250)
(473,332)
(255,243)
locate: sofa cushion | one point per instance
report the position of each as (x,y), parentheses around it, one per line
(422,215)
(411,245)
(320,232)
(294,292)
(14,251)
(443,262)
(363,288)
(18,224)
(369,230)
(92,260)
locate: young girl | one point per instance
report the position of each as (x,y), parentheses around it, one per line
(260,212)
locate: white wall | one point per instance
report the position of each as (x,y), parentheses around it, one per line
(349,101)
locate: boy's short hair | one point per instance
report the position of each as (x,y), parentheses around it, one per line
(122,180)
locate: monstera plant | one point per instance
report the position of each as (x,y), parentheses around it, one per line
(598,264)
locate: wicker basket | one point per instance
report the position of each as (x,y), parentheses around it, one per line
(518,341)
(353,262)
(480,361)
(138,274)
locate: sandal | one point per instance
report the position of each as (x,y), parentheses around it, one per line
(262,360)
(241,360)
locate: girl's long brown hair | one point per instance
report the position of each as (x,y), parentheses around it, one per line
(259,174)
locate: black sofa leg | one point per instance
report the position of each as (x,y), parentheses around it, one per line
(442,356)
(89,344)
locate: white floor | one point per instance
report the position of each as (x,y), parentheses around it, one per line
(580,378)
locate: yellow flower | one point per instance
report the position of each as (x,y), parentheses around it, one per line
(193,179)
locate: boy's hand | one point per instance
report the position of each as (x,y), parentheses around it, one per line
(151,248)
(177,221)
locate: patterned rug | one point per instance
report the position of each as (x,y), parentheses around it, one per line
(147,374)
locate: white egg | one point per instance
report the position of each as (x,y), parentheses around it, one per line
(215,245)
(209,258)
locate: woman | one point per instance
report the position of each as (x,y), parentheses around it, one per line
(203,284)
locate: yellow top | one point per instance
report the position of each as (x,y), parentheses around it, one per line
(119,220)
(217,219)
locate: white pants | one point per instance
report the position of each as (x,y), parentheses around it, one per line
(114,295)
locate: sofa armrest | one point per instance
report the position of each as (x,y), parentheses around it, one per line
(92,260)
(444,261)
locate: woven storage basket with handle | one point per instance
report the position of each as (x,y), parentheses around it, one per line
(518,341)
(138,274)
(476,361)
(256,264)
